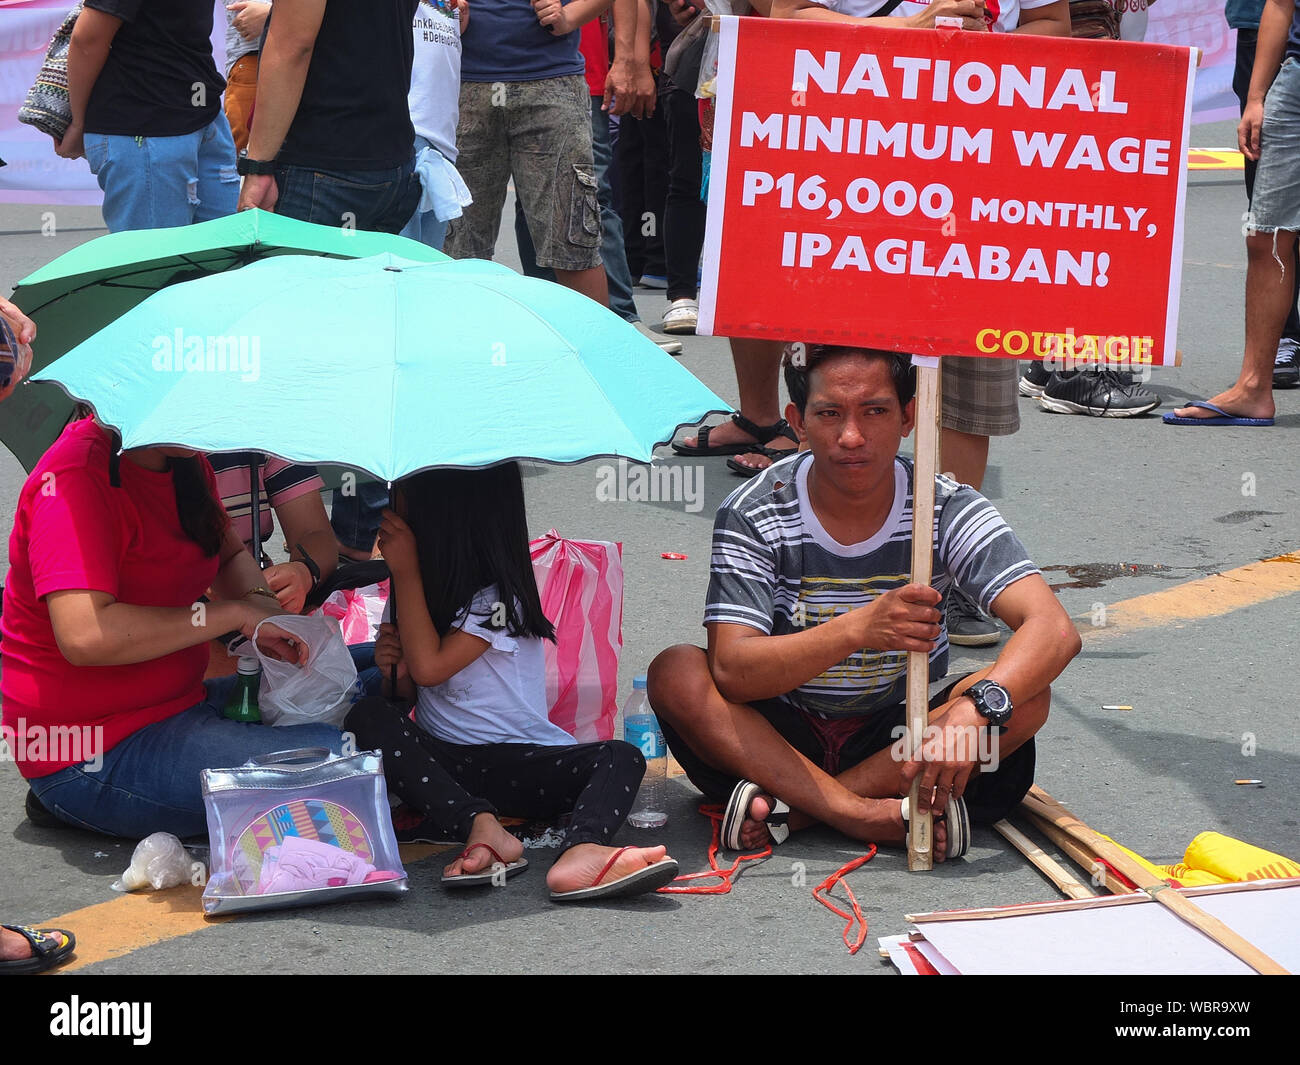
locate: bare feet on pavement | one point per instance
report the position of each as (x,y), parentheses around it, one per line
(754,834)
(1237,402)
(579,866)
(487,829)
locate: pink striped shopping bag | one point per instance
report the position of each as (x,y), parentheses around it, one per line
(581,586)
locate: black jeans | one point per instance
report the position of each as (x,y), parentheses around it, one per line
(683,210)
(990,796)
(596,783)
(1246,41)
(642,162)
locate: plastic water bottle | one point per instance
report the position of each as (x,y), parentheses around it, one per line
(641,729)
(242,704)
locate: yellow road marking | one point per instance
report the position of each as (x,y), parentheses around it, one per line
(121,925)
(1207,597)
(124,924)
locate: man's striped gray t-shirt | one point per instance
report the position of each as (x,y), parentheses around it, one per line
(775,569)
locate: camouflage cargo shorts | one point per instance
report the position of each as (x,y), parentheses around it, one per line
(539,133)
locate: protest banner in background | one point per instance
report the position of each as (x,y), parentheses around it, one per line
(33,173)
(947,193)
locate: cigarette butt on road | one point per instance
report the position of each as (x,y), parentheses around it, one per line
(1117,706)
(1257,783)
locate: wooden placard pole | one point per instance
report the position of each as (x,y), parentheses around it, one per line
(1182,908)
(920,850)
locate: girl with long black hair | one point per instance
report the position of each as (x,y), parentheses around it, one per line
(468,652)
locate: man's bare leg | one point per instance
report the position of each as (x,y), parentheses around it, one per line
(876,780)
(592,283)
(736,739)
(1268,299)
(965,456)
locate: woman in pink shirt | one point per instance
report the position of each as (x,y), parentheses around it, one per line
(105,636)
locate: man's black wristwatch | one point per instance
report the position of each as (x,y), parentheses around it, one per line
(992,700)
(310,563)
(245,166)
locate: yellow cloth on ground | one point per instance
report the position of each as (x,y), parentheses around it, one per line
(1213,858)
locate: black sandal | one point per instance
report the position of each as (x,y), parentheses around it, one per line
(762,434)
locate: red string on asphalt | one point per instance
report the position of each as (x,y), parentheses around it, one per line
(828,885)
(726,877)
(713,812)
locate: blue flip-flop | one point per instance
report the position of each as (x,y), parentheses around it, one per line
(1223,417)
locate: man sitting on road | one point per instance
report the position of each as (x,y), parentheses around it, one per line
(796,709)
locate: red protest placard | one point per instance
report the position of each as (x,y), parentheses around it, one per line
(947,193)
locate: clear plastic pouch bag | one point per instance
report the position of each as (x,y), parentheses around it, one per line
(319,692)
(299,827)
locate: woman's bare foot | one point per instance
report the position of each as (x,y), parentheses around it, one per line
(579,866)
(1237,402)
(487,830)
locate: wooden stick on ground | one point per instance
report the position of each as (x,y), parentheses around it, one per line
(1182,908)
(1078,853)
(920,853)
(1064,880)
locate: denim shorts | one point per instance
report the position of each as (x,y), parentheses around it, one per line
(1276,201)
(539,133)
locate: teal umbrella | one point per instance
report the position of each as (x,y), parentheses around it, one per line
(85,289)
(385,365)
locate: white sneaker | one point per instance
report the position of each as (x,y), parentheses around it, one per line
(670,346)
(682,316)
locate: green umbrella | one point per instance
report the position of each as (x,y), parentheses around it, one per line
(94,284)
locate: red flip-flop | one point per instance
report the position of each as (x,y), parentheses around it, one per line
(643,881)
(493,874)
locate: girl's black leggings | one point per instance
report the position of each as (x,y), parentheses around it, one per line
(596,783)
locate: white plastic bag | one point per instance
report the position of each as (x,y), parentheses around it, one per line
(319,692)
(160,861)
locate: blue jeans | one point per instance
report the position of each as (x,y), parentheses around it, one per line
(369,676)
(378,200)
(355,518)
(150,781)
(611,235)
(158,182)
(425,226)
